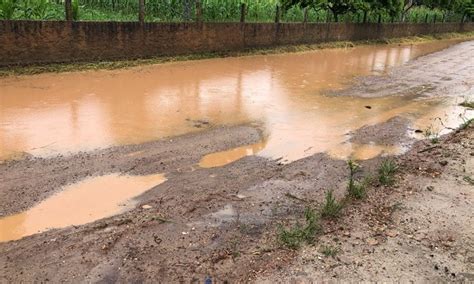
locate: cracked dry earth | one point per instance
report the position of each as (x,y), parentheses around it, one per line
(223,221)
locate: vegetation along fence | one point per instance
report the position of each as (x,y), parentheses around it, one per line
(414,11)
(48,31)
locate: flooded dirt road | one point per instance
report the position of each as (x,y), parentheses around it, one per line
(219,209)
(54,114)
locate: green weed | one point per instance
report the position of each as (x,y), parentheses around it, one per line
(329,251)
(387,170)
(331,208)
(356,189)
(294,237)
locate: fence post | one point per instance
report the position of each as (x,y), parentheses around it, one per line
(141,11)
(426,18)
(242,13)
(379,19)
(277,14)
(198,11)
(434,19)
(68,7)
(305,15)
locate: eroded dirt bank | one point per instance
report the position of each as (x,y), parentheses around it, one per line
(420,229)
(223,221)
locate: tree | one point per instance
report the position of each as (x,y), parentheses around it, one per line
(341,7)
(407,6)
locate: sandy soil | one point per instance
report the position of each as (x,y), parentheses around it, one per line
(222,221)
(421,229)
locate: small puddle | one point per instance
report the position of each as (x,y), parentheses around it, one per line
(80,203)
(223,158)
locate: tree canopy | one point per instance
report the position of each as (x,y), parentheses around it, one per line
(392,8)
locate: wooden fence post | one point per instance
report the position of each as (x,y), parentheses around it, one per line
(198,11)
(277,14)
(242,13)
(426,18)
(141,11)
(68,7)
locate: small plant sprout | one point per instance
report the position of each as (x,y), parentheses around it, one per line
(329,251)
(466,121)
(356,189)
(331,208)
(431,133)
(294,237)
(387,171)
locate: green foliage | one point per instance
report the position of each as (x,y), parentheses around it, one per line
(431,133)
(356,189)
(256,10)
(387,170)
(331,207)
(294,237)
(7,9)
(75,10)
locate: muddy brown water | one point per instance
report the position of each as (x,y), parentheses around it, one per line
(78,204)
(59,113)
(49,114)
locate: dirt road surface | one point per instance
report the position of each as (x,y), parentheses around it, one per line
(222,222)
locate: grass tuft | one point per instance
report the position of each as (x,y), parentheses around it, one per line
(329,251)
(387,171)
(299,234)
(331,208)
(356,189)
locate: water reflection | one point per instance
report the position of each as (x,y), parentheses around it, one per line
(78,204)
(52,113)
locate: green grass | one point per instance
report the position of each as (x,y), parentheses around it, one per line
(466,123)
(178,11)
(331,208)
(356,189)
(329,251)
(299,234)
(387,171)
(431,133)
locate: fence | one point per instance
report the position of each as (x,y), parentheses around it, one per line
(38,42)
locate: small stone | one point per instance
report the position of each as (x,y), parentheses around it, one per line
(372,242)
(391,233)
(146,206)
(368,107)
(443,163)
(430,188)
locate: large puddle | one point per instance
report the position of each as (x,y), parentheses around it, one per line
(78,204)
(56,113)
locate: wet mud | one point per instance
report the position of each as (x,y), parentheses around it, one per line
(220,218)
